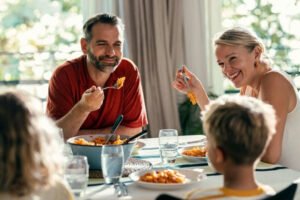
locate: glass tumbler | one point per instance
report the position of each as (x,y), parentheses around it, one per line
(168,145)
(112,163)
(77,173)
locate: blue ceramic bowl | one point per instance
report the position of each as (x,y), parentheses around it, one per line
(93,153)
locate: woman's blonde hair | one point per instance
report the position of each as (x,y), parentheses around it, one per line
(241,126)
(29,150)
(239,36)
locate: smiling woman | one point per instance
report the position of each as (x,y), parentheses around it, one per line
(241,56)
(276,24)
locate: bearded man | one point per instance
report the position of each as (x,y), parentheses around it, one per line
(76,99)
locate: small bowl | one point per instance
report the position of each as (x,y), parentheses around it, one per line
(93,153)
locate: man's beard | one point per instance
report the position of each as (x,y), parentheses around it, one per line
(99,64)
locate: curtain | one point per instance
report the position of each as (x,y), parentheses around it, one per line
(154,33)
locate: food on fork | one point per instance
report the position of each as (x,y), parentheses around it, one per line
(98,141)
(192,97)
(196,151)
(189,94)
(120,82)
(165,176)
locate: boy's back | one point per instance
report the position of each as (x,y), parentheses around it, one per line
(238,130)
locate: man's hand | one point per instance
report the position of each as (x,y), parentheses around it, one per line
(91,99)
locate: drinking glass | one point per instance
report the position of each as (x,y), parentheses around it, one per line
(66,149)
(112,163)
(77,173)
(168,145)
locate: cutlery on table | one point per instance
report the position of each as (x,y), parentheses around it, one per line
(121,189)
(135,136)
(114,128)
(203,140)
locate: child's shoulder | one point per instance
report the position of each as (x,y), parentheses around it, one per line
(267,189)
(205,193)
(59,190)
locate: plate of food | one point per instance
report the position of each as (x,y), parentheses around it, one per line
(167,179)
(194,153)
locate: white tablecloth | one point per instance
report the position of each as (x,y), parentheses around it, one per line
(273,175)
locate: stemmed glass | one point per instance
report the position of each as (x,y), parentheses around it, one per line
(112,164)
(168,146)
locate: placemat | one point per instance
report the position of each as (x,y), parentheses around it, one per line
(131,165)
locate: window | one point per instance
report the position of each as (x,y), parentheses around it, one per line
(36,36)
(276,22)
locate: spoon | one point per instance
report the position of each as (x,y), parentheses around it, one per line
(114,128)
(135,136)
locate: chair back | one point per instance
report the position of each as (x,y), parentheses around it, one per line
(167,197)
(287,193)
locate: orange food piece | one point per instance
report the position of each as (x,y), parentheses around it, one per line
(196,151)
(165,176)
(120,82)
(192,97)
(98,141)
(82,141)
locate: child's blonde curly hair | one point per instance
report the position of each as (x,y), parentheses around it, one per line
(29,149)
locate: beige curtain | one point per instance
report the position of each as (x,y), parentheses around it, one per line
(154,32)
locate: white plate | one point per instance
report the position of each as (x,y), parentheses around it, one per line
(192,177)
(192,158)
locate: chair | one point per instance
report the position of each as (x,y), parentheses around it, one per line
(287,193)
(167,197)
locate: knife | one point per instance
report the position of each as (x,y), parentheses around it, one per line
(192,142)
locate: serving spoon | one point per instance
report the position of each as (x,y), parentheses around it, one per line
(114,128)
(135,136)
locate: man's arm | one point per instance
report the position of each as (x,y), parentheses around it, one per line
(91,100)
(122,130)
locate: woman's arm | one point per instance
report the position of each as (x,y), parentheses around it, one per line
(194,85)
(276,90)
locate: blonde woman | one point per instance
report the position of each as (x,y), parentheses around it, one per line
(238,130)
(242,58)
(30,156)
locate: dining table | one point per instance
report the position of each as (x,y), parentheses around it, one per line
(276,176)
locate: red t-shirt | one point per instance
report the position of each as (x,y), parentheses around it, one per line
(71,79)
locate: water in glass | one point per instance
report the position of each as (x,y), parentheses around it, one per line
(77,173)
(168,153)
(168,145)
(112,162)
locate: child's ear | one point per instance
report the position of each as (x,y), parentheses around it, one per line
(220,156)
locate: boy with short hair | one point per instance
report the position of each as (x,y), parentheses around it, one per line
(238,130)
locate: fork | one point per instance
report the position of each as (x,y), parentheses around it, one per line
(114,86)
(121,189)
(190,94)
(185,79)
(124,189)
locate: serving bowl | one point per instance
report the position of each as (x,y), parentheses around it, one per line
(93,153)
